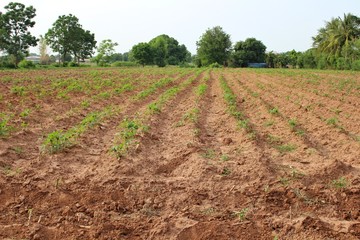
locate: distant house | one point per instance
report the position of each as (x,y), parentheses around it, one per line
(257,65)
(34,59)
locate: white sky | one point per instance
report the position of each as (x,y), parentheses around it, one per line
(282,25)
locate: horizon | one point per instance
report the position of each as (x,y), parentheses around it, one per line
(288,26)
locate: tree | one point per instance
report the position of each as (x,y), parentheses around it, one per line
(248,51)
(337,37)
(68,37)
(142,53)
(105,49)
(167,51)
(15,37)
(214,46)
(84,46)
(116,57)
(44,56)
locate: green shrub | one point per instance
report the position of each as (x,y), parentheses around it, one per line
(73,64)
(26,64)
(125,64)
(56,64)
(187,65)
(356,65)
(215,65)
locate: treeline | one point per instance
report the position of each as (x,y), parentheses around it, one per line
(336,46)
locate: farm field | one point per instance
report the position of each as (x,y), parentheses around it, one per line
(171,153)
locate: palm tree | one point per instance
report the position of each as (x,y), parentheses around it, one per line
(337,35)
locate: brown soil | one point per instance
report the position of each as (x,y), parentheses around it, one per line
(200,178)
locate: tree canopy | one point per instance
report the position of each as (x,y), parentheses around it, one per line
(105,51)
(214,46)
(338,41)
(15,38)
(248,51)
(68,37)
(142,53)
(167,51)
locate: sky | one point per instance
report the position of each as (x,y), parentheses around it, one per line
(282,25)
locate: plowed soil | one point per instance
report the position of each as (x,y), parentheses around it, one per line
(197,172)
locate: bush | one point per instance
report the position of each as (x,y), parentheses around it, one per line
(56,64)
(356,65)
(26,64)
(125,64)
(215,65)
(73,64)
(342,64)
(187,65)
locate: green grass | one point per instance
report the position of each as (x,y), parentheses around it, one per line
(59,140)
(339,183)
(209,154)
(129,129)
(242,214)
(4,127)
(285,148)
(274,111)
(201,89)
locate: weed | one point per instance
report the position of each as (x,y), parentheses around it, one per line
(294,173)
(25,113)
(292,123)
(284,181)
(18,150)
(254,94)
(225,172)
(339,183)
(273,139)
(201,89)
(332,121)
(224,158)
(125,88)
(154,108)
(241,214)
(56,141)
(243,123)
(10,172)
(4,128)
(18,90)
(300,132)
(85,104)
(209,153)
(196,132)
(285,148)
(129,130)
(274,111)
(104,95)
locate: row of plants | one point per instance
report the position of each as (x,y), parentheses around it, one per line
(131,128)
(319,109)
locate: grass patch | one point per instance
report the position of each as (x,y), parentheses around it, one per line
(285,148)
(242,214)
(339,183)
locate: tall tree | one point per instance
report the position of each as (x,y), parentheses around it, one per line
(105,49)
(337,36)
(167,51)
(214,46)
(15,38)
(68,37)
(142,53)
(248,51)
